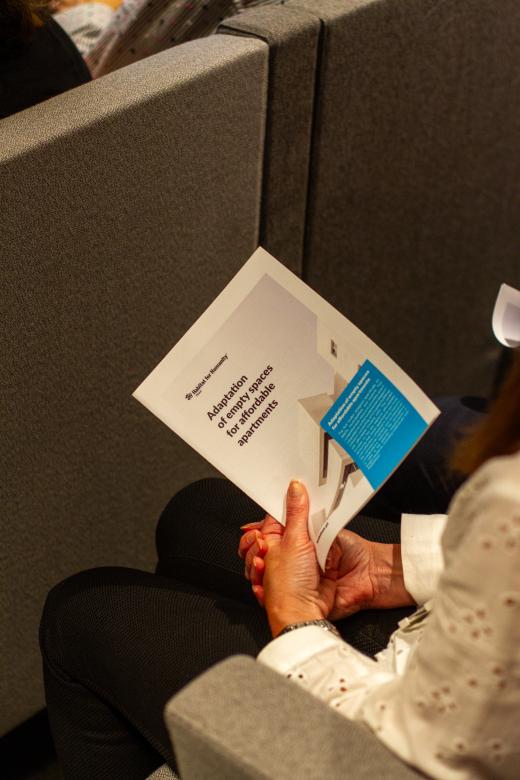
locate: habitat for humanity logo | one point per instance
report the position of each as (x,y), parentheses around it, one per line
(198,388)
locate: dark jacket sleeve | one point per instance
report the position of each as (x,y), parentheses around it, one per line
(45,65)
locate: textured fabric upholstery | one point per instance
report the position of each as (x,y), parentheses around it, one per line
(127,204)
(163,773)
(242,721)
(292,36)
(414,199)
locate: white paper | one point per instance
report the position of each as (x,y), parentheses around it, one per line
(283,355)
(506,316)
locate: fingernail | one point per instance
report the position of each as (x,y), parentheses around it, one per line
(246,526)
(295,489)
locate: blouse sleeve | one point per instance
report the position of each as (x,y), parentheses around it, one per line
(421,552)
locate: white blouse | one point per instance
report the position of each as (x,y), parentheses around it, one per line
(445,694)
(109,39)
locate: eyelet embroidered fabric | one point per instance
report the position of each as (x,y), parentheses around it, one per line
(140,28)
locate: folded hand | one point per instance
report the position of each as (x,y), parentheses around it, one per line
(366,574)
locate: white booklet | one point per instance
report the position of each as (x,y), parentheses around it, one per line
(506,316)
(272,384)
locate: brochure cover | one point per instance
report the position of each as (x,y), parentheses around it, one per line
(272,384)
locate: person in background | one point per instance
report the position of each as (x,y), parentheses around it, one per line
(113,33)
(37,58)
(50,46)
(85,21)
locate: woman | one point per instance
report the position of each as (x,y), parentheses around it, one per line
(114,33)
(117,644)
(37,58)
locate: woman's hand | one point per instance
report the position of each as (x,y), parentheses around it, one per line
(293,589)
(253,547)
(369,575)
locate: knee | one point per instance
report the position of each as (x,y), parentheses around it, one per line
(69,615)
(203,499)
(55,616)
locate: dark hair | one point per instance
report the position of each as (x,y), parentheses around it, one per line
(18,19)
(499,432)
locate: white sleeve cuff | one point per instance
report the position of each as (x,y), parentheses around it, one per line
(421,552)
(294,648)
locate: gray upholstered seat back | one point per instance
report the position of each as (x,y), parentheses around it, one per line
(293,37)
(414,198)
(126,205)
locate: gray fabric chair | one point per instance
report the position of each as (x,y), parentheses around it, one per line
(413,194)
(127,204)
(292,36)
(414,188)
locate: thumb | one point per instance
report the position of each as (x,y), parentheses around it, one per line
(297,513)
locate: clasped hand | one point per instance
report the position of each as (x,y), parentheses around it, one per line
(281,564)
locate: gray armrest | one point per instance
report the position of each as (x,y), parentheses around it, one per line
(242,721)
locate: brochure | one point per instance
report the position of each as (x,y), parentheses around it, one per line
(506,316)
(272,384)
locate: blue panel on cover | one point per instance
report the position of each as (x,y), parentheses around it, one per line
(374,423)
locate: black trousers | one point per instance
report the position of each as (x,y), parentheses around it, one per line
(118,643)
